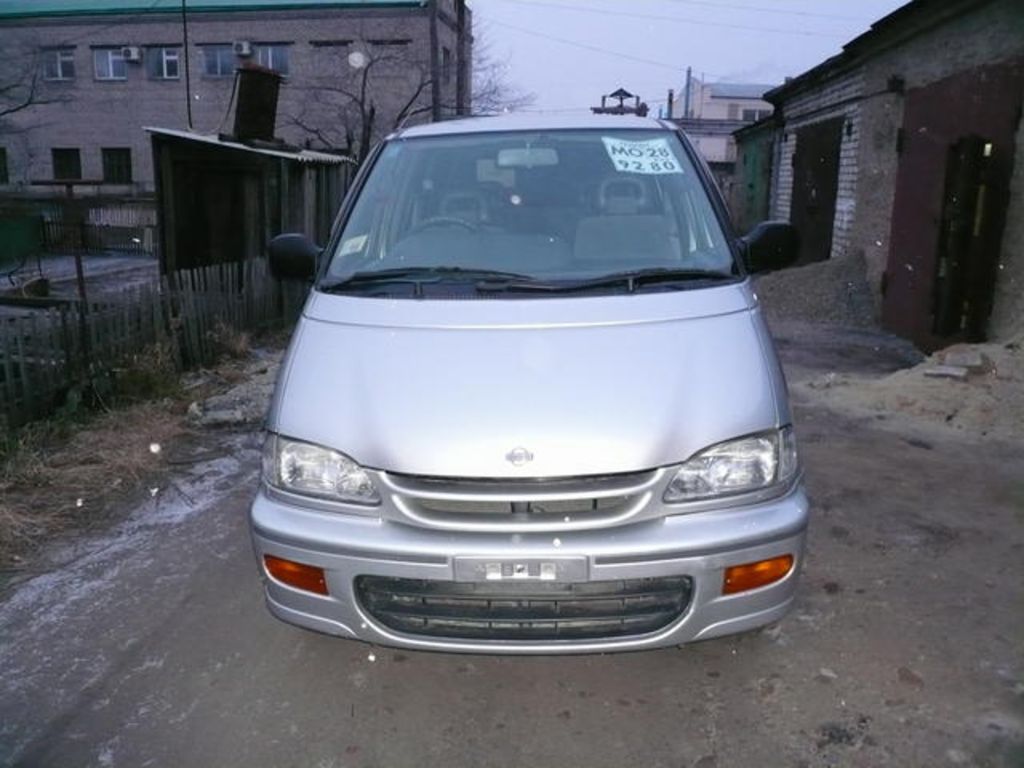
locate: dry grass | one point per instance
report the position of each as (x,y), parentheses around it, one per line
(56,477)
(74,471)
(230,342)
(147,375)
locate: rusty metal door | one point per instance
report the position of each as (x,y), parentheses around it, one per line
(815,183)
(967,259)
(955,160)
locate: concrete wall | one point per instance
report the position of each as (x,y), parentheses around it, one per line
(704,106)
(713,148)
(90,114)
(1007,319)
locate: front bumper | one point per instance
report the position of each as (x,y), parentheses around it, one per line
(699,545)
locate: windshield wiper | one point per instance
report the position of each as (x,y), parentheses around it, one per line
(418,276)
(631,279)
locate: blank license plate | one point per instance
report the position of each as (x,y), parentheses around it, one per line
(482,568)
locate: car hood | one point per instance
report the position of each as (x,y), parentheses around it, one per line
(583,386)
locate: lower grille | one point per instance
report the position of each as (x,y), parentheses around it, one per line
(524,610)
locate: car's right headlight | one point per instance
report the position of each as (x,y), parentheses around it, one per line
(737,466)
(312,470)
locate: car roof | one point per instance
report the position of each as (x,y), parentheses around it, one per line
(533,122)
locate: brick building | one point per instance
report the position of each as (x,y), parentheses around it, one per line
(905,150)
(102,70)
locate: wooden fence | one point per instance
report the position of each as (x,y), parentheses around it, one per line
(84,237)
(46,352)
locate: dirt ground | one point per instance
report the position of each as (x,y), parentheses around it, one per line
(148,644)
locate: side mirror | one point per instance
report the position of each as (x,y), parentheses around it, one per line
(293,257)
(771,245)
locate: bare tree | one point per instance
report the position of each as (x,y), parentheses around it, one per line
(21,85)
(367,89)
(492,91)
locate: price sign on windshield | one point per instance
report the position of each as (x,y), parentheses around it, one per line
(652,156)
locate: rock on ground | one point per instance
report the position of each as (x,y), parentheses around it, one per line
(246,403)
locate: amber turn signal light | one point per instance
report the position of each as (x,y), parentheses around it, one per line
(305,577)
(740,578)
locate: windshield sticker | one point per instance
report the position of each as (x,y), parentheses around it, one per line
(651,156)
(352,245)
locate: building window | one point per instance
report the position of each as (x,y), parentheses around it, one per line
(164,63)
(59,64)
(218,60)
(734,111)
(117,165)
(5,177)
(109,64)
(751,115)
(273,56)
(337,43)
(390,42)
(67,164)
(446,65)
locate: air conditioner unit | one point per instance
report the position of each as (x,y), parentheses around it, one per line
(131,53)
(242,48)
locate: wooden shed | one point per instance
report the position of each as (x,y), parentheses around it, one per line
(220,200)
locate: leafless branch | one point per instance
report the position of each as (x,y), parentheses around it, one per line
(351,107)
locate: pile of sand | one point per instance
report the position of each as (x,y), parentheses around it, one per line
(833,292)
(973,388)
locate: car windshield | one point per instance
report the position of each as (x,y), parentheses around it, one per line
(520,210)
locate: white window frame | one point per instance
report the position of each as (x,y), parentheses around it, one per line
(168,55)
(265,56)
(111,56)
(61,56)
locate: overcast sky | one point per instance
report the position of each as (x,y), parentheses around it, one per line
(569,52)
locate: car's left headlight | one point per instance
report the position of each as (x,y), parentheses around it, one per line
(737,466)
(312,470)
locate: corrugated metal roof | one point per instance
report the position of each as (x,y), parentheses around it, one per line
(738,90)
(302,155)
(30,8)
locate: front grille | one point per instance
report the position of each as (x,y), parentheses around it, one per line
(529,510)
(524,504)
(524,610)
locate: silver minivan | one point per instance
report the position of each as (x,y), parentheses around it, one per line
(531,405)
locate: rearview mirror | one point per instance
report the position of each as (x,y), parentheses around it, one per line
(771,245)
(293,257)
(527,157)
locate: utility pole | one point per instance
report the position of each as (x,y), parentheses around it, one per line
(686,99)
(671,98)
(188,71)
(435,68)
(462,97)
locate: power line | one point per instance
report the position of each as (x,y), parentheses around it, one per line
(763,9)
(585,46)
(676,19)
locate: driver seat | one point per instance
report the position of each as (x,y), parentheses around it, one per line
(465,205)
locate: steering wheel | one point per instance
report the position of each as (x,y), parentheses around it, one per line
(442,221)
